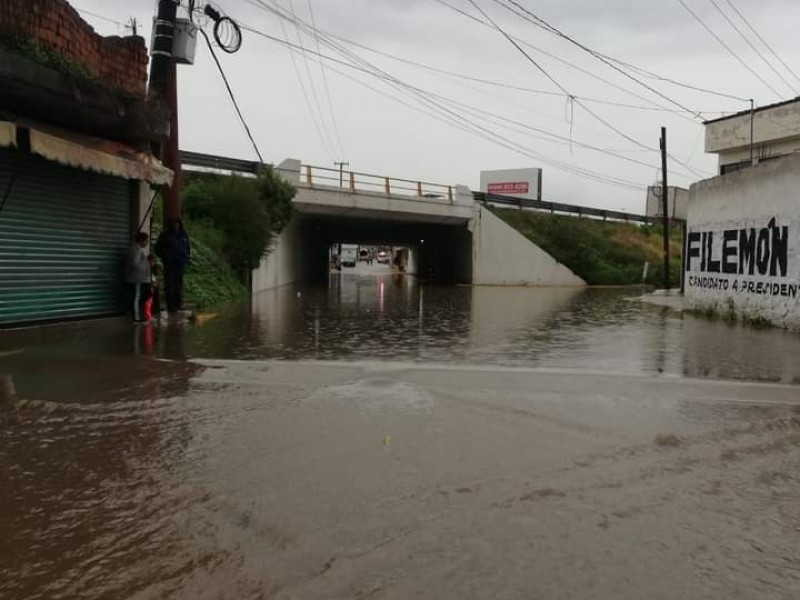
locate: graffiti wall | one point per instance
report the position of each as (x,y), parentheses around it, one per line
(743,243)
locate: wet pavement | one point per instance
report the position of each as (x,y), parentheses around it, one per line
(380,438)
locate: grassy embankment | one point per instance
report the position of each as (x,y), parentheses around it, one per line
(601,253)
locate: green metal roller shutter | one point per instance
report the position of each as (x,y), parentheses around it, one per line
(63,234)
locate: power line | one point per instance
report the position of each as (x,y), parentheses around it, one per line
(570,97)
(325,132)
(451,116)
(303,89)
(233,98)
(325,83)
(556,138)
(511,86)
(763,41)
(653,106)
(98,16)
(582,70)
(541,23)
(688,86)
(518,47)
(538,21)
(482,132)
(728,48)
(599,119)
(749,43)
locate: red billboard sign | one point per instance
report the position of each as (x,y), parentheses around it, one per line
(508,187)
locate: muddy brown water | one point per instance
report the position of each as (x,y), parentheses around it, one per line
(379,438)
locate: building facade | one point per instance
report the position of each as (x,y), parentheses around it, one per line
(743,231)
(775,133)
(76,173)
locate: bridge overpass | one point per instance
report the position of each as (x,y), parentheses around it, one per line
(451,235)
(451,238)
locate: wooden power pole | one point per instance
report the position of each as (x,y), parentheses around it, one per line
(163,87)
(665,205)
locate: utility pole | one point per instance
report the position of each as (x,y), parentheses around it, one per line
(665,205)
(341,166)
(752,118)
(133,26)
(164,88)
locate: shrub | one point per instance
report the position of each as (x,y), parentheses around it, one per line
(248,212)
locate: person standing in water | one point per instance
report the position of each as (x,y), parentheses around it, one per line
(175,252)
(137,276)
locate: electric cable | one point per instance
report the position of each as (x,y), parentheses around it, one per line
(232,96)
(728,48)
(653,105)
(644,72)
(149,209)
(578,68)
(334,122)
(536,20)
(300,81)
(539,22)
(679,113)
(571,98)
(425,92)
(461,123)
(756,50)
(101,17)
(478,110)
(329,140)
(425,95)
(521,49)
(763,41)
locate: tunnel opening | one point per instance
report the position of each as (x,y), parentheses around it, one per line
(429,251)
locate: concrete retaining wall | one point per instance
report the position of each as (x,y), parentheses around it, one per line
(284,263)
(503,256)
(743,246)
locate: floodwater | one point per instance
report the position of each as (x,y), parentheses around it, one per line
(379,438)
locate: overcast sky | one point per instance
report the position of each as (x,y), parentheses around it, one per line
(400,133)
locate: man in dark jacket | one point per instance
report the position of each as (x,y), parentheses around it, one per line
(174,250)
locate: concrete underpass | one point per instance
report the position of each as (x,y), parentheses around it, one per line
(451,238)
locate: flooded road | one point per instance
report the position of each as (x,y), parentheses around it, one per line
(382,439)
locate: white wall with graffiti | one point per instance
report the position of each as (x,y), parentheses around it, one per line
(743,243)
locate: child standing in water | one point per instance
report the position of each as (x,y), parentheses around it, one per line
(137,276)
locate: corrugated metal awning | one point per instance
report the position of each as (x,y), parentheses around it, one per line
(8,134)
(99,156)
(85,152)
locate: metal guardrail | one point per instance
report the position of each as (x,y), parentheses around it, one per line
(313,176)
(354,182)
(222,163)
(561,208)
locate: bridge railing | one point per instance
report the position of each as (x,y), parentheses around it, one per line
(560,207)
(353,181)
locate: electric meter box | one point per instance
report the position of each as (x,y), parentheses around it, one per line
(184,43)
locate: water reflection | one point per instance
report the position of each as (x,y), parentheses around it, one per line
(127,475)
(393,317)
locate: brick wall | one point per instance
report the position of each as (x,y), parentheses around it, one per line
(118,62)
